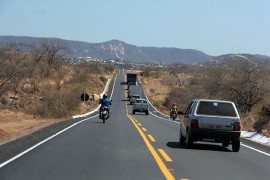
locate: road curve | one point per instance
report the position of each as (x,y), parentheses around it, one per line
(131,146)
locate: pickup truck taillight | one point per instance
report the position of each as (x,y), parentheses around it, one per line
(194,123)
(236,126)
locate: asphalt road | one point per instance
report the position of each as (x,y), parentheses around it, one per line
(131,147)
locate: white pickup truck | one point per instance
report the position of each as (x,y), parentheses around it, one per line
(141,105)
(212,121)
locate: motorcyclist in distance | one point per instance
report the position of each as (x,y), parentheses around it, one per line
(173,109)
(105,101)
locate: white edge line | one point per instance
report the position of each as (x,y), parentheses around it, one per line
(164,118)
(113,86)
(49,138)
(91,112)
(42,142)
(105,89)
(267,154)
(149,101)
(179,123)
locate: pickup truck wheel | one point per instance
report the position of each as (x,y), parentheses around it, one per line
(189,141)
(133,112)
(181,138)
(147,112)
(236,146)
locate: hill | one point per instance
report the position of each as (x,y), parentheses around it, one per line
(114,49)
(236,57)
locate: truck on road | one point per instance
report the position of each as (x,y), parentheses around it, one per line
(131,77)
(134,90)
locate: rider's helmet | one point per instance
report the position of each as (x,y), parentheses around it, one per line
(173,104)
(105,95)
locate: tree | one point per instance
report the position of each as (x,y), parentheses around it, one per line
(247,84)
(213,80)
(12,68)
(44,60)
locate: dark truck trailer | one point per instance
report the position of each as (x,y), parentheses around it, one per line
(131,77)
(134,90)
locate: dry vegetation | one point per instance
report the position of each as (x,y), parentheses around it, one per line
(244,82)
(38,89)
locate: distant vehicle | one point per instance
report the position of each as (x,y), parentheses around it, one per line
(141,105)
(131,77)
(132,84)
(212,121)
(134,97)
(134,90)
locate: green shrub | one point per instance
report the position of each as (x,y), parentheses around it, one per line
(108,68)
(58,104)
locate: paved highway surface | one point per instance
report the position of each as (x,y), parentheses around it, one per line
(129,147)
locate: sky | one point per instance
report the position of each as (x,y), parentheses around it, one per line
(214,27)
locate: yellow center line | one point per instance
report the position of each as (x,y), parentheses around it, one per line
(164,154)
(151,138)
(139,124)
(159,161)
(144,129)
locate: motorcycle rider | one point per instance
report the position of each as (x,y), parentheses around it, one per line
(105,101)
(173,109)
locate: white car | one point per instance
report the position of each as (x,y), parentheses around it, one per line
(133,98)
(141,105)
(212,121)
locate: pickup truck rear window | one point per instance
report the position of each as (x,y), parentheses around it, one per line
(216,109)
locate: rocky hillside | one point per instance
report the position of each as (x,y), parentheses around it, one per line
(114,49)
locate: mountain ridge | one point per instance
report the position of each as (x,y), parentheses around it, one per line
(115,49)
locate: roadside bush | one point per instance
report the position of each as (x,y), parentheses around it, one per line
(108,68)
(62,106)
(82,79)
(57,104)
(261,123)
(157,103)
(152,72)
(103,79)
(261,116)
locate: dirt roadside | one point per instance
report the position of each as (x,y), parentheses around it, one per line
(156,92)
(15,124)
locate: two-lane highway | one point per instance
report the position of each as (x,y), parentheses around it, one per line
(131,146)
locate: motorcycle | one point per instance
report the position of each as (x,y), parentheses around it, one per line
(104,113)
(174,115)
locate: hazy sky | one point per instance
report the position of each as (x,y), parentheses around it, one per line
(213,26)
